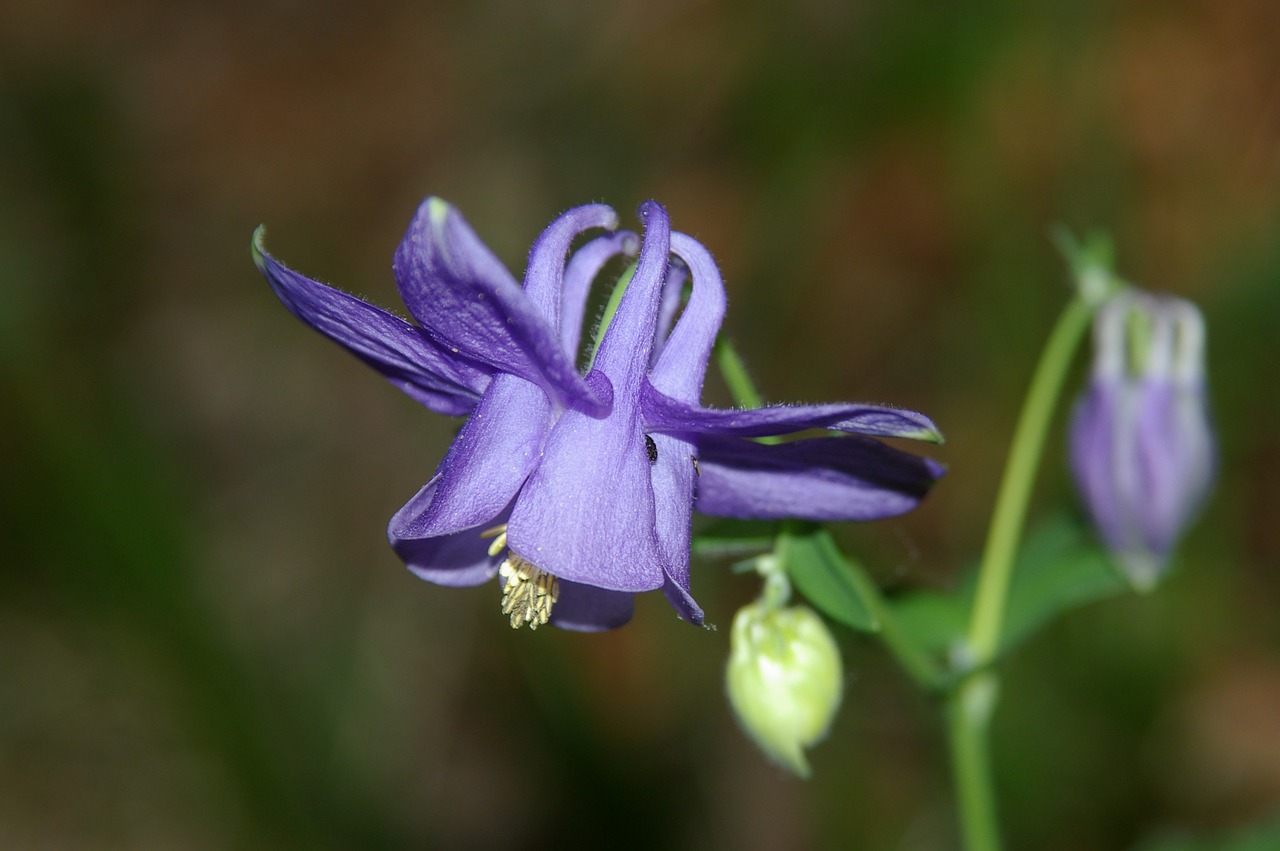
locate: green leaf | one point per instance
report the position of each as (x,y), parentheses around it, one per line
(734,539)
(935,621)
(825,576)
(1059,568)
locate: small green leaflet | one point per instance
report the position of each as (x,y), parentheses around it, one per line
(827,579)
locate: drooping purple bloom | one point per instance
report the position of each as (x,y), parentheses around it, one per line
(1142,449)
(586,480)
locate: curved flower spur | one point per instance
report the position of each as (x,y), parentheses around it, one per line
(576,487)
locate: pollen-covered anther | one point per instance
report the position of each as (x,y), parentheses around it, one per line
(528,593)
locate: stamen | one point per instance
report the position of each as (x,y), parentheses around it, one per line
(499,535)
(528,593)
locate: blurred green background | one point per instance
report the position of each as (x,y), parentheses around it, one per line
(205,641)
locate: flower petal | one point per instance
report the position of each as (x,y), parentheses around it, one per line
(489,460)
(623,353)
(584,608)
(663,413)
(672,296)
(584,266)
(1094,453)
(672,473)
(586,514)
(445,382)
(464,297)
(681,368)
(544,276)
(456,560)
(823,478)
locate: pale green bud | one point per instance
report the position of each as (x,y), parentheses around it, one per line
(784,680)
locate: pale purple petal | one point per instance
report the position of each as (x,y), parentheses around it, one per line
(456,560)
(585,608)
(544,277)
(823,479)
(672,297)
(489,460)
(464,298)
(444,382)
(673,483)
(682,366)
(1160,471)
(623,354)
(680,370)
(584,266)
(586,513)
(1093,456)
(663,413)
(1174,447)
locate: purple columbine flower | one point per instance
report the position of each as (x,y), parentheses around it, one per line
(576,487)
(1142,448)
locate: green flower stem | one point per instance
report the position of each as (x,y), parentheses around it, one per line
(969,709)
(971,703)
(996,570)
(912,658)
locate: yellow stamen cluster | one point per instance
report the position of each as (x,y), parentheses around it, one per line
(528,592)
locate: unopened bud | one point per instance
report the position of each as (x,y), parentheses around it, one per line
(1142,450)
(784,680)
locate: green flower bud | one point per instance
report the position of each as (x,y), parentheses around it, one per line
(784,680)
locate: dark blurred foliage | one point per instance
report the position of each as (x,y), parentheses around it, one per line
(204,640)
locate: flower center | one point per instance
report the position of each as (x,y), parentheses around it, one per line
(528,592)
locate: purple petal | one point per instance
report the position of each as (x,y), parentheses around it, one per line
(462,296)
(682,366)
(456,560)
(586,514)
(544,277)
(1173,445)
(673,482)
(663,413)
(445,382)
(489,459)
(1157,454)
(672,296)
(623,354)
(582,270)
(1093,457)
(823,479)
(584,608)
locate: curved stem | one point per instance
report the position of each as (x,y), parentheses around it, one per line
(996,570)
(969,709)
(972,702)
